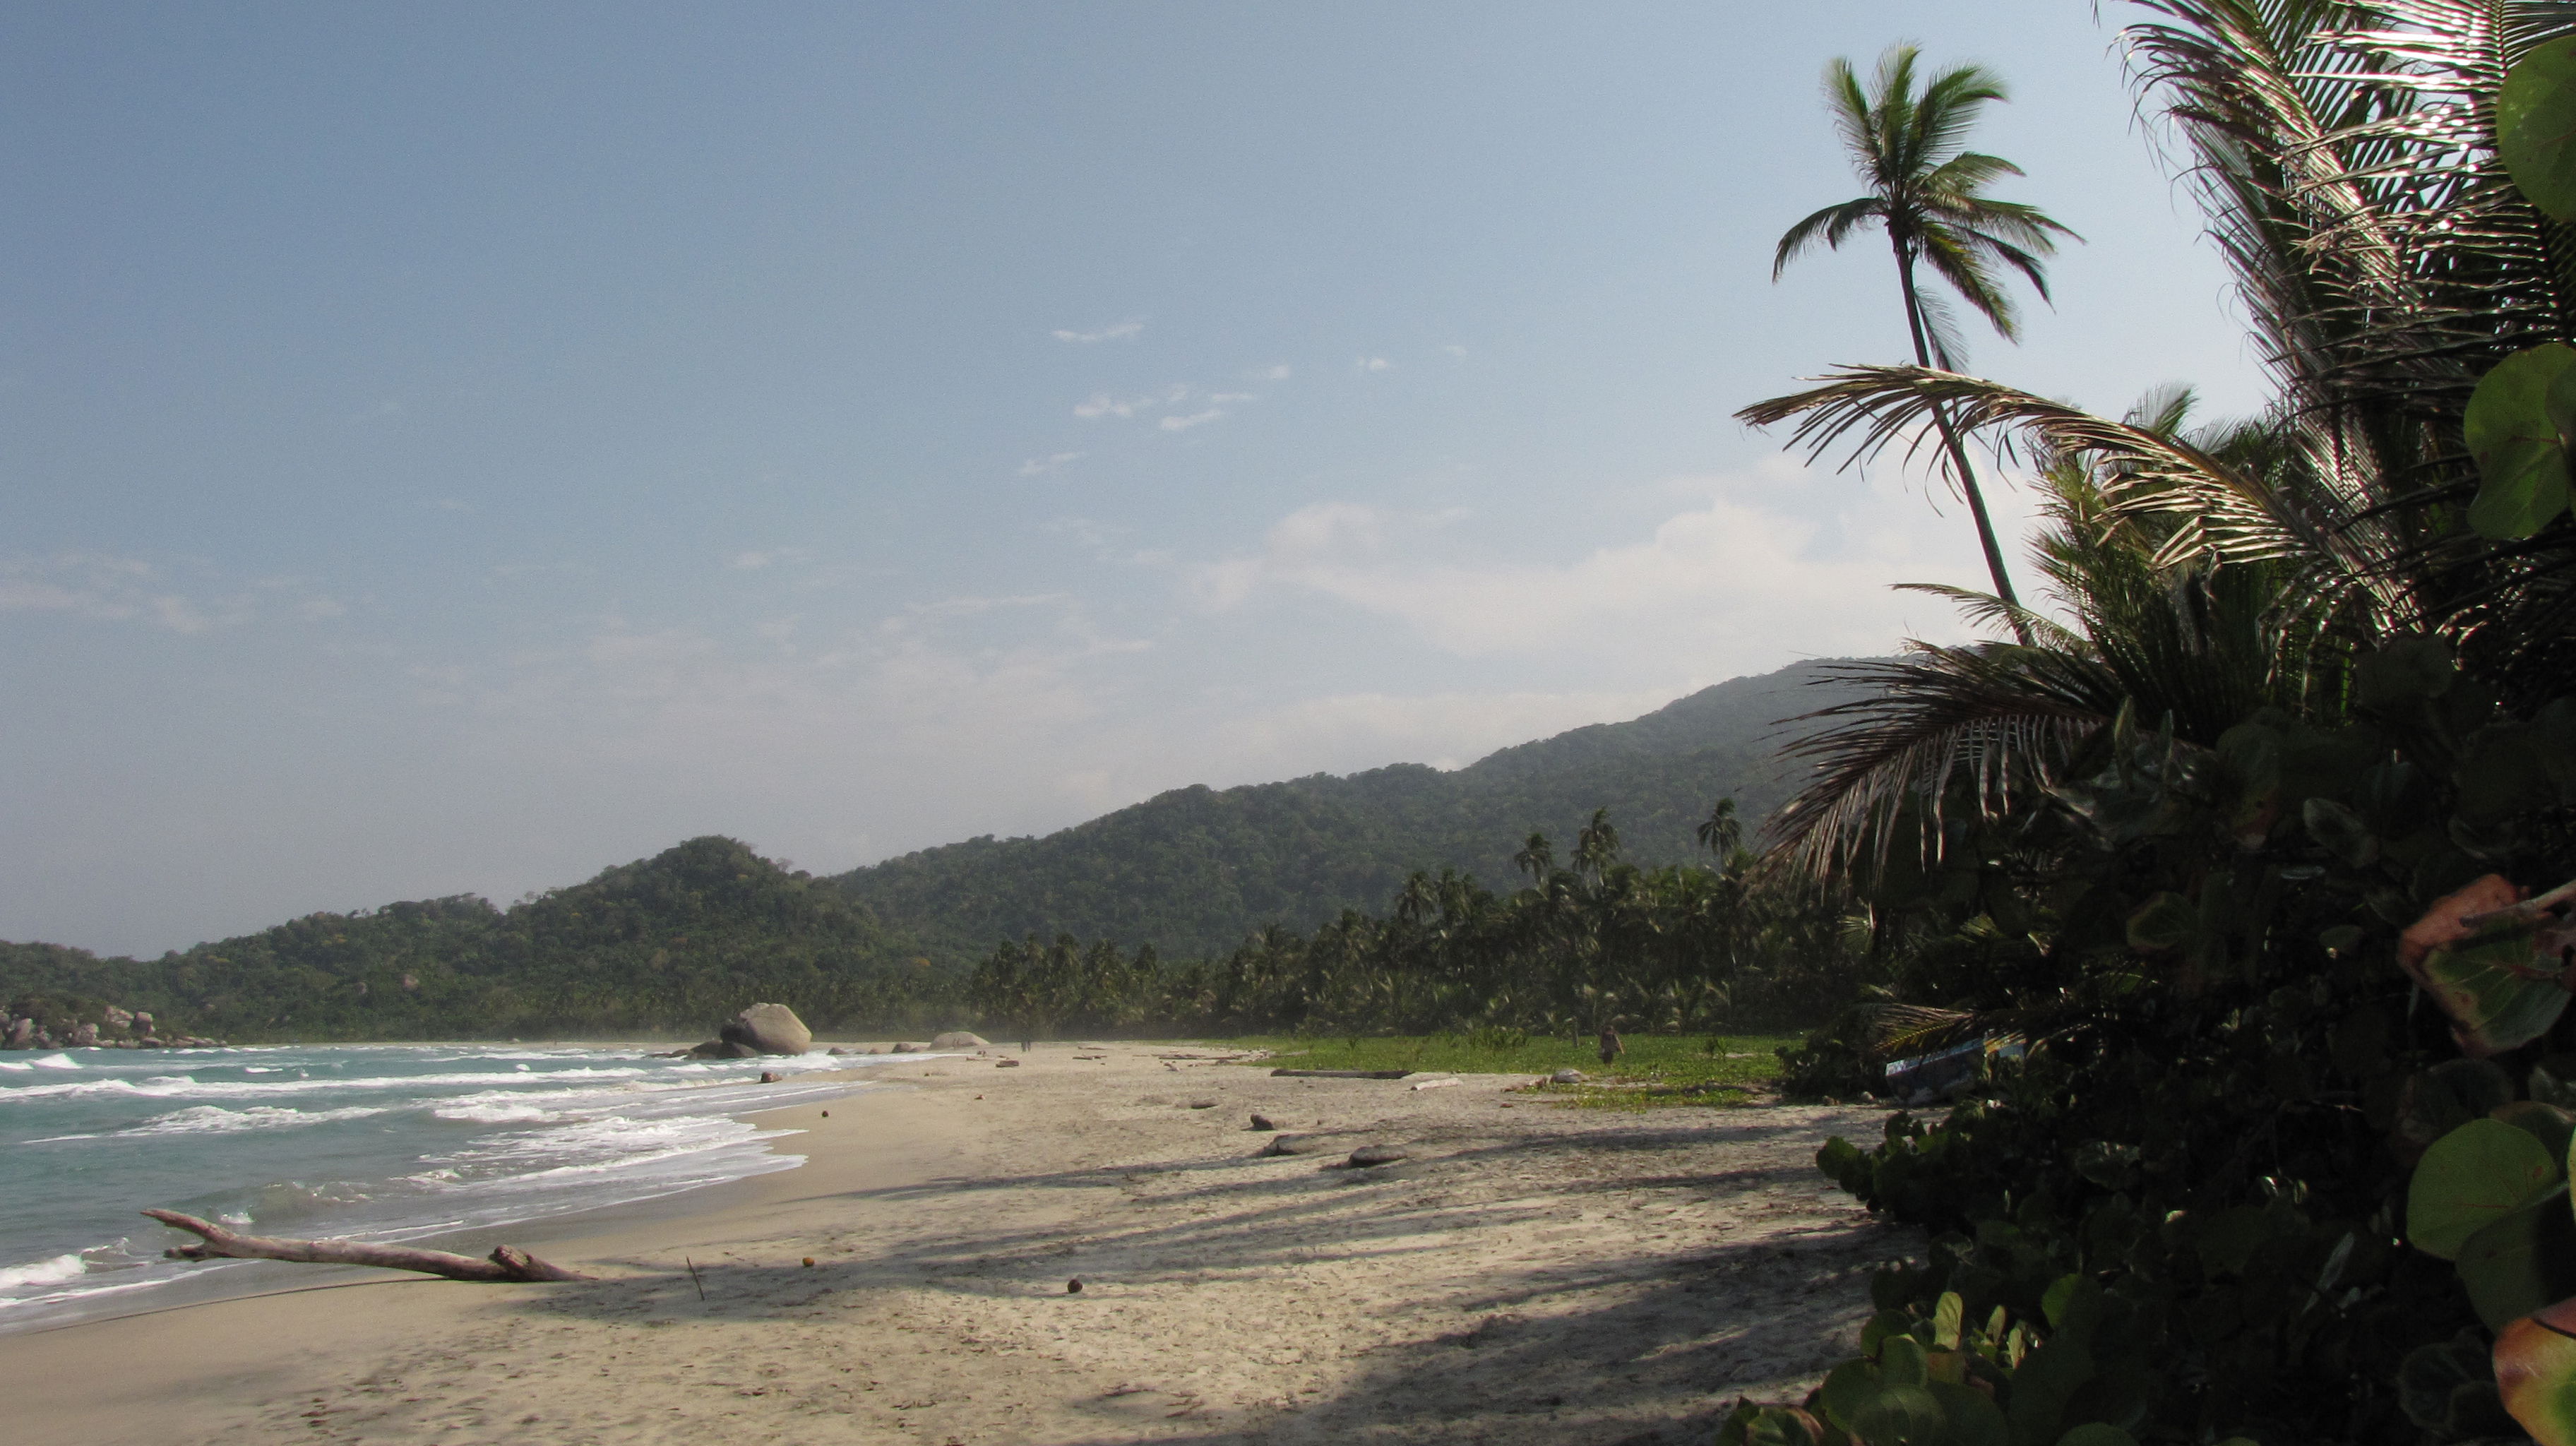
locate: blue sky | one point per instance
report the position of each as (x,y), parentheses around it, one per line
(463,447)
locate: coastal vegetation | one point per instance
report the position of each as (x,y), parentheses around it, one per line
(2250,838)
(1651,1070)
(1589,943)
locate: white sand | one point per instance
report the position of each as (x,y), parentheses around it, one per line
(1531,1274)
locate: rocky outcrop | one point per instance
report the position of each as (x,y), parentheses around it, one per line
(723,1049)
(958,1039)
(768,1029)
(32,1022)
(758,1030)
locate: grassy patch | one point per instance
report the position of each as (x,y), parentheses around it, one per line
(1656,1071)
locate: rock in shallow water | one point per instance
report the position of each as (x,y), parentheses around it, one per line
(768,1029)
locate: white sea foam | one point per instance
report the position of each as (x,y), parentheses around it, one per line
(183,1087)
(15,1279)
(216,1120)
(56,1061)
(479,1137)
(517,1112)
(13,1064)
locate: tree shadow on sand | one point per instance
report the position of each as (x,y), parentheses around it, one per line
(1592,1314)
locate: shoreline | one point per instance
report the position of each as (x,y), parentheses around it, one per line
(639,1187)
(1532,1272)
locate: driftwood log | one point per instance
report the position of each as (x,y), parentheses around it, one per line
(506,1263)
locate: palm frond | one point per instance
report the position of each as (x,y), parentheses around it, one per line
(1990,719)
(2216,508)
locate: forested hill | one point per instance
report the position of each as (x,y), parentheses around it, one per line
(674,943)
(1194,870)
(667,945)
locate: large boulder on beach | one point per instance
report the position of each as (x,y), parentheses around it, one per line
(722,1049)
(769,1029)
(958,1039)
(21,1035)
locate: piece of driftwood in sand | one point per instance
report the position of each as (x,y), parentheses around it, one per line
(506,1263)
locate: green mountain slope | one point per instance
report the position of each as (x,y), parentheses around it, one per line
(674,943)
(1194,870)
(670,944)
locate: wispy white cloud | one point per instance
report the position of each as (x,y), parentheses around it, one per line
(1206,407)
(107,588)
(1371,364)
(1279,373)
(1735,580)
(1040,466)
(1453,348)
(1123,331)
(755,559)
(1102,404)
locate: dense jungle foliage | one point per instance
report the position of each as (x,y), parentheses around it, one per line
(2250,831)
(1196,870)
(1590,943)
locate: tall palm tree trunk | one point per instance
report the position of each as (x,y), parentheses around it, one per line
(1958,453)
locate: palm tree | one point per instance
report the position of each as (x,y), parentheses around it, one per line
(1927,194)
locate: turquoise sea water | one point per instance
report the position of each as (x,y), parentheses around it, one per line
(385,1142)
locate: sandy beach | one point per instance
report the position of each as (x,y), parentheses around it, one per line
(1530,1273)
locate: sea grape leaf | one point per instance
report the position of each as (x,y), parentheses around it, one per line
(2501,981)
(1949,1319)
(2470,1178)
(2433,1102)
(2518,1264)
(2522,466)
(2430,1372)
(2553,1081)
(2340,831)
(2041,1385)
(1901,1362)
(1847,1387)
(2535,113)
(2502,989)
(2552,1125)
(2535,1372)
(1973,1417)
(1900,1416)
(2096,1433)
(2166,921)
